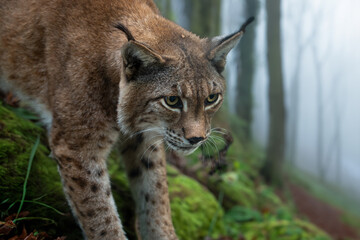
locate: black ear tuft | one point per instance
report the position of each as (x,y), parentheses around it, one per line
(126,31)
(221,46)
(250,20)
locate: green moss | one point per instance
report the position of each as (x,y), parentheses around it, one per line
(252,224)
(193,208)
(17,137)
(274,229)
(231,183)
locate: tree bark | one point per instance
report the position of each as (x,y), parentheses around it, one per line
(275,150)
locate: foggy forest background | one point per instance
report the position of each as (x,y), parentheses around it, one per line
(290,169)
(294,82)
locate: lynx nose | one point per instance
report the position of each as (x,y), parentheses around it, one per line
(195,140)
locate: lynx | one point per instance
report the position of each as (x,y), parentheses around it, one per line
(101,70)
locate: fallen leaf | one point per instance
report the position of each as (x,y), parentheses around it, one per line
(30,237)
(15,238)
(6,227)
(11,100)
(21,214)
(23,233)
(43,236)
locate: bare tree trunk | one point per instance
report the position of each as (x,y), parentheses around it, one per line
(320,122)
(245,76)
(333,156)
(165,8)
(275,150)
(294,93)
(205,17)
(319,62)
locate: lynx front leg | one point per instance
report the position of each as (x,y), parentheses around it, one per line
(82,166)
(145,164)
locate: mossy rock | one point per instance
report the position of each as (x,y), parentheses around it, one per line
(195,211)
(194,208)
(17,138)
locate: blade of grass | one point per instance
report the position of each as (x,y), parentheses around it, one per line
(38,198)
(34,218)
(38,203)
(23,113)
(45,205)
(12,204)
(32,155)
(5,201)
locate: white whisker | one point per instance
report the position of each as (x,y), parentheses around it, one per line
(158,141)
(218,132)
(218,138)
(213,141)
(221,131)
(207,145)
(155,129)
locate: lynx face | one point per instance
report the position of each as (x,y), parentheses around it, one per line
(175,90)
(177,104)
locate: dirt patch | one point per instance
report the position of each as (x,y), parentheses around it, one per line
(321,214)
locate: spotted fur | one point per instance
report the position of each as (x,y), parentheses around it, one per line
(99,69)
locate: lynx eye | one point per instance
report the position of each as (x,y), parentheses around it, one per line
(173,101)
(211,99)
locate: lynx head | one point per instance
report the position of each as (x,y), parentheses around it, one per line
(173,88)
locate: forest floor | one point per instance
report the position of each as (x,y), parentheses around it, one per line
(322,214)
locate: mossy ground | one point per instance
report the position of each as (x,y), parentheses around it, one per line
(17,137)
(195,212)
(249,207)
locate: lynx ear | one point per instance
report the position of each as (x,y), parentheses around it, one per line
(137,55)
(221,46)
